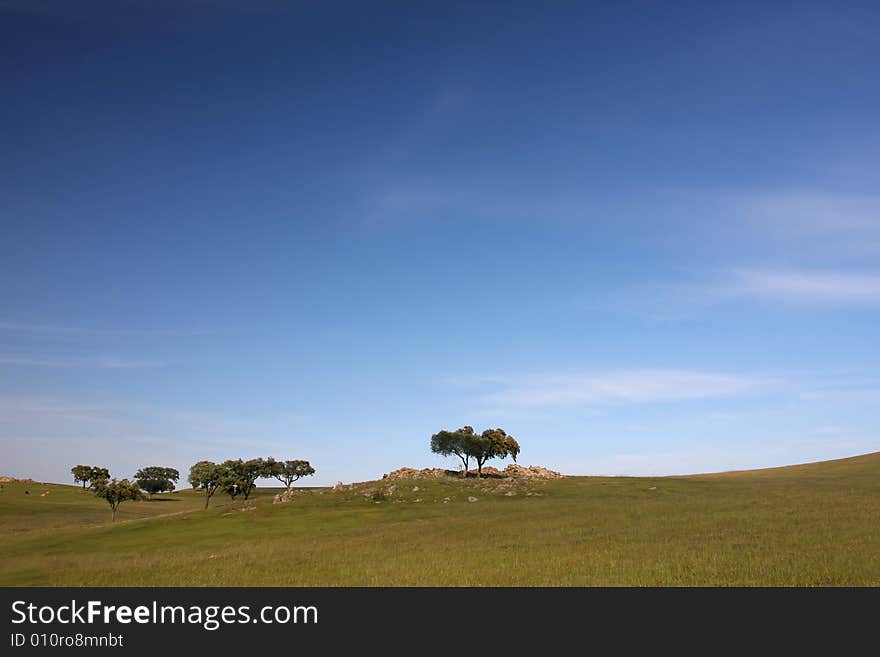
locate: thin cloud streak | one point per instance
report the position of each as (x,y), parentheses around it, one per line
(807,286)
(616,387)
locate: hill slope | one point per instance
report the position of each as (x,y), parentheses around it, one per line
(813,524)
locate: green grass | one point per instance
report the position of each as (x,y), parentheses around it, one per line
(810,525)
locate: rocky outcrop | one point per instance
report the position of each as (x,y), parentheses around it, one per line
(286,496)
(531,472)
(412,473)
(513,471)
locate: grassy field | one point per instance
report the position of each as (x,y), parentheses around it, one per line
(808,525)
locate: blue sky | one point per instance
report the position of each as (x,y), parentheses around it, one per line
(644,238)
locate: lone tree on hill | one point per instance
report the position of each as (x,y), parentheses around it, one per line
(156,479)
(117,491)
(208,476)
(492,444)
(288,472)
(457,443)
(465,443)
(89,474)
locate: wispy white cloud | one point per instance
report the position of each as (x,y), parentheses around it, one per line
(807,286)
(811,213)
(624,386)
(819,225)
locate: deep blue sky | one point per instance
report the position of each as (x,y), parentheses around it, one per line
(641,237)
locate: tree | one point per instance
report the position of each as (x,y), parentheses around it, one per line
(98,475)
(492,444)
(156,479)
(458,443)
(89,474)
(288,472)
(241,476)
(208,476)
(81,473)
(117,491)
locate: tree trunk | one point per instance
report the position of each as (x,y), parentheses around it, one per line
(207,499)
(113,509)
(479,469)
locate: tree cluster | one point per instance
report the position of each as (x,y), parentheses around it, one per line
(238,477)
(233,477)
(466,444)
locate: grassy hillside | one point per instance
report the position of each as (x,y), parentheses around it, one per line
(814,524)
(24,507)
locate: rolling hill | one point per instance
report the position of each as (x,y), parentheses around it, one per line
(805,525)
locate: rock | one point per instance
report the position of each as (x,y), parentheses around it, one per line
(286,496)
(412,473)
(418,500)
(392,489)
(415,489)
(338,486)
(510,493)
(471,498)
(531,472)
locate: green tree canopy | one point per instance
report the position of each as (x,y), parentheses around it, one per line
(98,475)
(89,474)
(492,444)
(241,476)
(156,479)
(455,443)
(81,473)
(288,472)
(207,476)
(117,491)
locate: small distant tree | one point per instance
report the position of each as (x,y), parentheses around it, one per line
(81,473)
(207,476)
(89,474)
(241,476)
(117,491)
(156,479)
(98,475)
(455,443)
(288,472)
(492,444)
